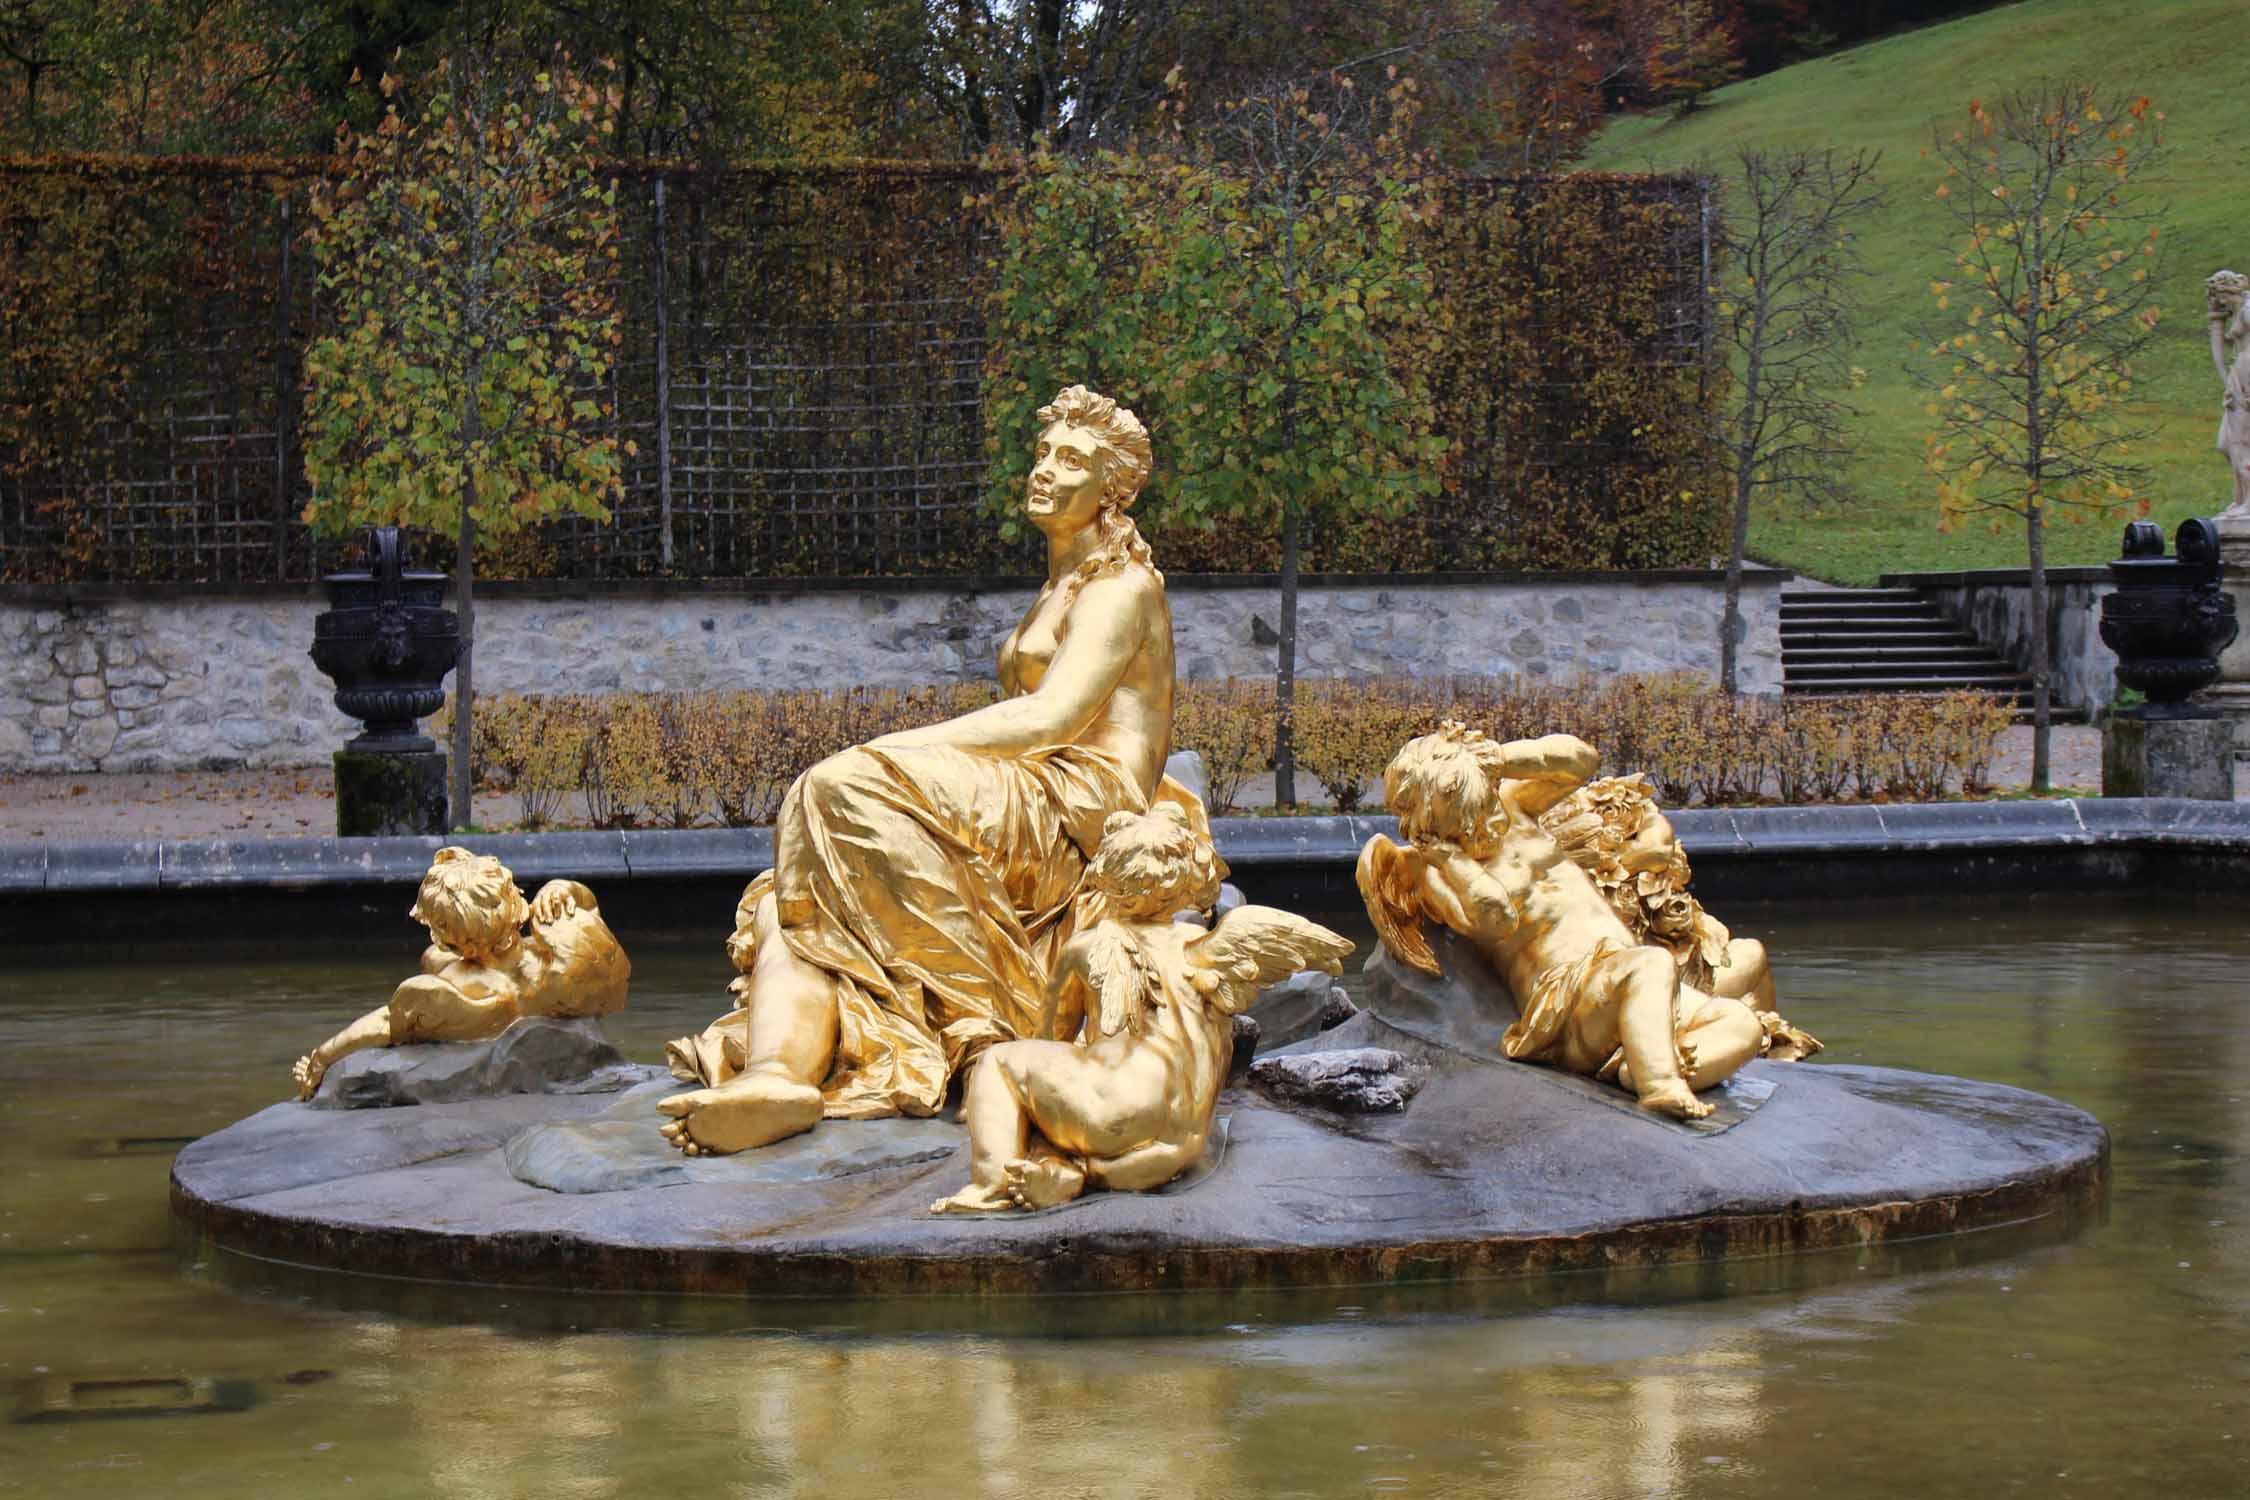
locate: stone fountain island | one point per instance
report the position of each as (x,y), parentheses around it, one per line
(1319,1178)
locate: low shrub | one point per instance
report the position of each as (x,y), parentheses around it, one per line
(728,759)
(1229,722)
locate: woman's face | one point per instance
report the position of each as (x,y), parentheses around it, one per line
(1064,494)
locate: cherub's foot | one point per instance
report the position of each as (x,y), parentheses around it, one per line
(308,1072)
(1791,1045)
(755,1109)
(975,1199)
(1042,1181)
(1674,1098)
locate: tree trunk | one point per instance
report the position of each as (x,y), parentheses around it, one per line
(464,693)
(1745,483)
(1285,666)
(463,790)
(1730,619)
(2040,723)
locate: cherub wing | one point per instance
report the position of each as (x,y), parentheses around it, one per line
(1390,883)
(1255,945)
(1119,980)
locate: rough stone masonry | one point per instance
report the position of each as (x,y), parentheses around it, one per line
(180,683)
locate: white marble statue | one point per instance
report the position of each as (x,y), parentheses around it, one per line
(2230,349)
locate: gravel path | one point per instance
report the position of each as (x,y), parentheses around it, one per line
(292,803)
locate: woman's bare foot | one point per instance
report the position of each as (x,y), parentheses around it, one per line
(308,1073)
(1042,1181)
(1673,1097)
(755,1109)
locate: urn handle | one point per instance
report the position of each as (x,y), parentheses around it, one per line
(383,561)
(391,644)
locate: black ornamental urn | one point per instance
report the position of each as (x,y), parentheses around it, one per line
(2168,619)
(387,642)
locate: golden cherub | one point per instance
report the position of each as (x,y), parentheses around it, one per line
(483,970)
(1615,832)
(1592,995)
(1129,1104)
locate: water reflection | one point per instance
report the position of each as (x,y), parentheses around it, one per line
(2103,1359)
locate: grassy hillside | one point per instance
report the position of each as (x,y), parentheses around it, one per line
(2184,54)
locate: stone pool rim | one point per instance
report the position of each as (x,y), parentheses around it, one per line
(42,867)
(66,894)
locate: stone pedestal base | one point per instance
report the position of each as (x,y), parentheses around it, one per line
(2168,758)
(380,794)
(2230,695)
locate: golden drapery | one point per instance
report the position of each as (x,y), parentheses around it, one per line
(1538,1033)
(937,886)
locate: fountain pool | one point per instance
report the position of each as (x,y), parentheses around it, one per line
(2056,1357)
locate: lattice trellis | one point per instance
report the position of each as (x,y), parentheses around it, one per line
(800,376)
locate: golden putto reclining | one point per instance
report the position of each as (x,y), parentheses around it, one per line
(1574,890)
(485,968)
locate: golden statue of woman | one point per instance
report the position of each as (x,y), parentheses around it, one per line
(925,882)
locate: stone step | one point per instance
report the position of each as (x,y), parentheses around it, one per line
(1816,637)
(1834,683)
(1812,597)
(1967,654)
(1884,610)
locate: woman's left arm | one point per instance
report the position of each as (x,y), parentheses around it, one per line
(1106,624)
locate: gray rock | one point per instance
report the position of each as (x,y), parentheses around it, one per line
(1353,1081)
(1230,897)
(1246,1035)
(1338,1010)
(622,1148)
(1292,1010)
(1186,768)
(537,1055)
(1498,1168)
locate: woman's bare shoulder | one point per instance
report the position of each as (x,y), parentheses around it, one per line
(1130,581)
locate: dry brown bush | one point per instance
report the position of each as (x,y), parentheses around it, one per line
(729,758)
(1229,722)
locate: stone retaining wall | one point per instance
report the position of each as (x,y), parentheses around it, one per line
(104,680)
(1994,605)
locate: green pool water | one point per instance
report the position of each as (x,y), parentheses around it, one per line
(2099,1358)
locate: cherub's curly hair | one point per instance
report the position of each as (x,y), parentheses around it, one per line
(1153,864)
(1126,461)
(470,904)
(1445,787)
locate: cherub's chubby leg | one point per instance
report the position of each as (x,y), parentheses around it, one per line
(370,1030)
(425,1008)
(1718,1039)
(790,1043)
(1077,1104)
(1145,1167)
(1640,988)
(1745,975)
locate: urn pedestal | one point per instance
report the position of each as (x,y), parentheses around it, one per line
(387,642)
(2230,695)
(2168,620)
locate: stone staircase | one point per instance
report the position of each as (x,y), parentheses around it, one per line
(1884,641)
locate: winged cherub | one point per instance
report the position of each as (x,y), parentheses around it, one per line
(1592,997)
(485,967)
(1150,1002)
(1617,834)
